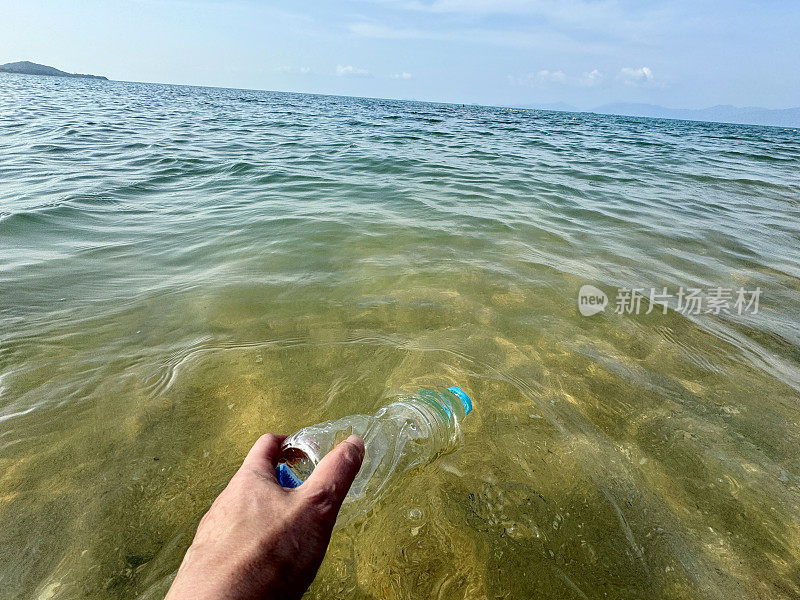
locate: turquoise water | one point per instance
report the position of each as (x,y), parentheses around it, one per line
(182,269)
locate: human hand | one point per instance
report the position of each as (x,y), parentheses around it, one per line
(261,541)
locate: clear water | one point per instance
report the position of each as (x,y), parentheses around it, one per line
(182,269)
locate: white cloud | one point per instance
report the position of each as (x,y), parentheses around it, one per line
(375,30)
(594,24)
(295,70)
(631,76)
(566,9)
(546,77)
(402,75)
(592,78)
(554,76)
(547,40)
(539,77)
(351,71)
(594,15)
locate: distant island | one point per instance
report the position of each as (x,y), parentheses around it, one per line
(26,67)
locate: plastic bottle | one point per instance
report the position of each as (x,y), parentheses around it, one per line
(409,432)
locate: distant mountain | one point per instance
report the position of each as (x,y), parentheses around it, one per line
(724,113)
(28,68)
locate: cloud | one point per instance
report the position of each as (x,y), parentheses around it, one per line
(546,77)
(610,17)
(631,76)
(351,71)
(295,70)
(595,26)
(402,75)
(545,39)
(539,77)
(564,9)
(554,76)
(592,78)
(375,30)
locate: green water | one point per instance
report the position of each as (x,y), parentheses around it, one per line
(183,269)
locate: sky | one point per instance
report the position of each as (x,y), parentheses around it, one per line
(584,53)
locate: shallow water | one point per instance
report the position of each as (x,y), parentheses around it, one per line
(182,269)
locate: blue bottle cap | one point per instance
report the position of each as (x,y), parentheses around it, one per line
(462,395)
(286,478)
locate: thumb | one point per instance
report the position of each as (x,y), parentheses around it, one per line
(332,477)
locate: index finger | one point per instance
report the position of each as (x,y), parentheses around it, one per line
(264,454)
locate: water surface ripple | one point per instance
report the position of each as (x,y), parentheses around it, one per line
(184,268)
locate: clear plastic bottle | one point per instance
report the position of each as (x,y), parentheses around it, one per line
(409,432)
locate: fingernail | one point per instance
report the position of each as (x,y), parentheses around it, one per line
(357,442)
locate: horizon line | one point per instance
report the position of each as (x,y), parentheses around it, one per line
(532,106)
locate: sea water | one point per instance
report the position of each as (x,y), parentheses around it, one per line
(183,269)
